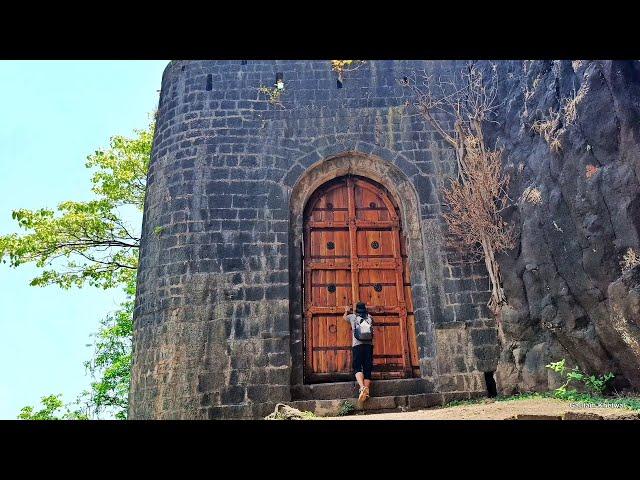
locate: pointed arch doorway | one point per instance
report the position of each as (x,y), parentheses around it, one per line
(354,250)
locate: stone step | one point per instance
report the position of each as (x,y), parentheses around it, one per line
(331,408)
(346,390)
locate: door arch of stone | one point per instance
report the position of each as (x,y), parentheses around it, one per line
(354,250)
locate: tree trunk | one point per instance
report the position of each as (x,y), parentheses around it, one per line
(497,294)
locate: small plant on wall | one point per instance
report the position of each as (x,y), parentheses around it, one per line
(274,93)
(342,66)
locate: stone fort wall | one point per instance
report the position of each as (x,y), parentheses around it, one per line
(218,315)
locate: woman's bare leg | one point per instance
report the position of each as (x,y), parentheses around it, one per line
(360,379)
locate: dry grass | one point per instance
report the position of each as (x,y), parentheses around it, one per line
(543,127)
(630,260)
(569,108)
(555,123)
(531,195)
(555,144)
(549,129)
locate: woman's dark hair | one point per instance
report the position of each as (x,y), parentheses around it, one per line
(361,309)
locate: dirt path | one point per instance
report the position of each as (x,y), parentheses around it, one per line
(492,410)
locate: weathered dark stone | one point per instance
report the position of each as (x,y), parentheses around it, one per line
(565,267)
(622,330)
(230,174)
(484,336)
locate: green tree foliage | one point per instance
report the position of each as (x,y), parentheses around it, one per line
(88,243)
(52,410)
(110,367)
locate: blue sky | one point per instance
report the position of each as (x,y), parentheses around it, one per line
(54,114)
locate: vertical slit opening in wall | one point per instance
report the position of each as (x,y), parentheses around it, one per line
(490,381)
(209,82)
(339,83)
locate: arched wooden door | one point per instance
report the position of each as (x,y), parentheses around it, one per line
(354,251)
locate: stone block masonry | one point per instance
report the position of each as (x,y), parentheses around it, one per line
(218,316)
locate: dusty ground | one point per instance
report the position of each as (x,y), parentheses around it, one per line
(500,411)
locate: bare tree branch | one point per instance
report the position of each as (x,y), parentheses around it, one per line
(478,195)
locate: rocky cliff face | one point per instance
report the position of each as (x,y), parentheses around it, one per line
(570,132)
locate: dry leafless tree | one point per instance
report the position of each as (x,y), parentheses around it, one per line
(458,108)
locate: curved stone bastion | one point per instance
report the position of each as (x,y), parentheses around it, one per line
(266,213)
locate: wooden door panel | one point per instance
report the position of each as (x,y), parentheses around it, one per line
(332,344)
(332,206)
(354,252)
(329,244)
(387,346)
(375,243)
(377,288)
(369,205)
(331,288)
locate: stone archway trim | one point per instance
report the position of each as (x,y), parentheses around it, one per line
(405,195)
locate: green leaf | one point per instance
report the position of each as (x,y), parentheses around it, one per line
(84,243)
(88,242)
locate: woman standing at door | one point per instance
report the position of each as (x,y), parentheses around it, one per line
(361,346)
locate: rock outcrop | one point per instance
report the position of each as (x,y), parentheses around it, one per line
(570,132)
